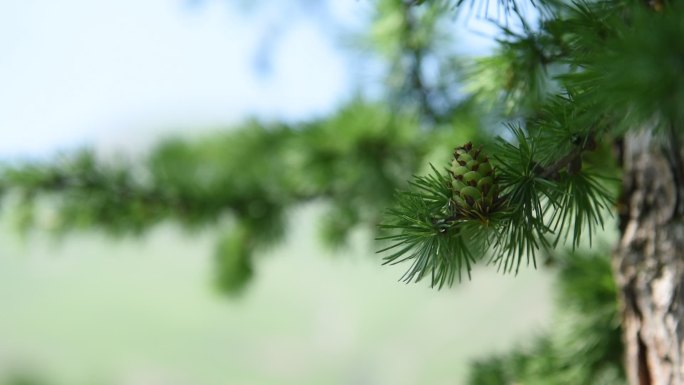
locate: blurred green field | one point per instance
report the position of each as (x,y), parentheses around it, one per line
(92,310)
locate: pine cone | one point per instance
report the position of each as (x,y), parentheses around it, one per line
(475,191)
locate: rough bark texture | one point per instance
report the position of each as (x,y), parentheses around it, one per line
(649,261)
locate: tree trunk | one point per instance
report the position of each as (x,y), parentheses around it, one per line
(649,260)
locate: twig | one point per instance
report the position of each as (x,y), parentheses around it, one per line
(567,160)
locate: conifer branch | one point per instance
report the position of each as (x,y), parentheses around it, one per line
(530,206)
(571,160)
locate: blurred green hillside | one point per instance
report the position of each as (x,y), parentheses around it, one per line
(90,310)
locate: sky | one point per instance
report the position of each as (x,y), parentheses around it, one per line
(117,73)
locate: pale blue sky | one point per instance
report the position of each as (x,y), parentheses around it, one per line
(118,74)
(79,72)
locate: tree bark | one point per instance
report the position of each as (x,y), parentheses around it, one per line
(649,260)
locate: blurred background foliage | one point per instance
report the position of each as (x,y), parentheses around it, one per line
(244,180)
(583,346)
(248,180)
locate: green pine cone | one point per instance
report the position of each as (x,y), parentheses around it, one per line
(475,191)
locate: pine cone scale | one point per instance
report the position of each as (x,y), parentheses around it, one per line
(475,191)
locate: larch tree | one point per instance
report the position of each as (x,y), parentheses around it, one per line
(586,101)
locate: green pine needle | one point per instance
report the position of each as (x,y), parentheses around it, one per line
(426,232)
(539,204)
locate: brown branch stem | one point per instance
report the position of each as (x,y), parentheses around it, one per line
(567,160)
